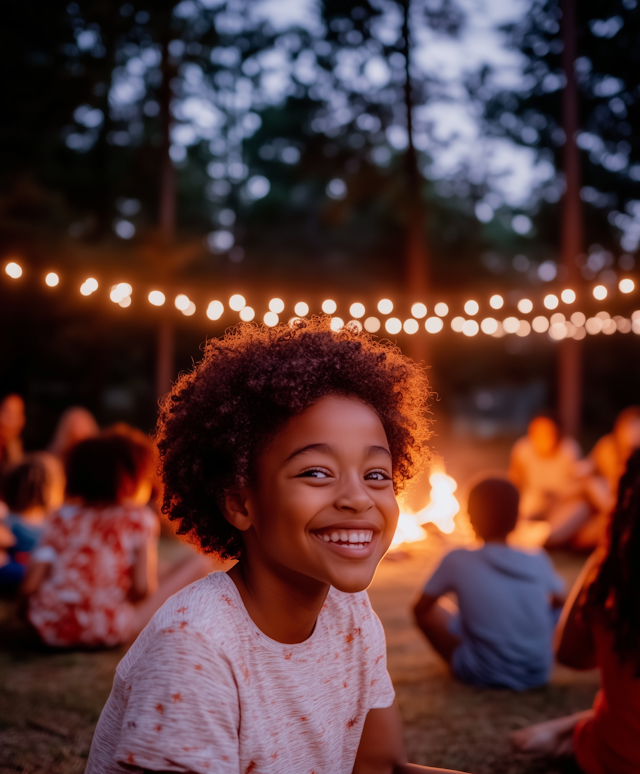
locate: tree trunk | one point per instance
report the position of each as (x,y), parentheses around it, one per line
(570,350)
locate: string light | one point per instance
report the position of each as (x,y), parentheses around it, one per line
(600,292)
(52,279)
(540,324)
(357,310)
(411,326)
(419,311)
(558,331)
(120,291)
(626,285)
(489,326)
(89,286)
(524,329)
(441,309)
(471,308)
(329,306)
(247,314)
(14,270)
(568,296)
(457,324)
(276,305)
(215,310)
(593,325)
(433,325)
(372,324)
(525,305)
(125,302)
(579,334)
(336,324)
(190,310)
(156,297)
(393,325)
(609,327)
(496,302)
(557,319)
(237,302)
(578,319)
(302,309)
(551,301)
(385,306)
(470,328)
(271,319)
(182,302)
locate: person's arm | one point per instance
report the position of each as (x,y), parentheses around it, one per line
(574,640)
(381,749)
(145,571)
(423,606)
(517,473)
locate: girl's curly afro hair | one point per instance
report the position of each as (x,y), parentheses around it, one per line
(220,416)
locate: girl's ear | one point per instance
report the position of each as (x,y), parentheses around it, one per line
(235,509)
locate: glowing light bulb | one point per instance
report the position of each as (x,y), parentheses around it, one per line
(89,286)
(511,324)
(329,306)
(489,326)
(120,291)
(433,325)
(190,310)
(357,310)
(496,302)
(385,306)
(524,329)
(182,302)
(457,324)
(276,305)
(411,326)
(271,319)
(156,297)
(336,324)
(372,324)
(470,328)
(441,309)
(125,302)
(419,311)
(578,319)
(471,308)
(52,279)
(393,325)
(525,305)
(247,314)
(600,292)
(626,285)
(301,309)
(215,310)
(568,296)
(540,324)
(237,302)
(550,301)
(355,326)
(14,270)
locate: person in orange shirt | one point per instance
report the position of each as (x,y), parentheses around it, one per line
(600,627)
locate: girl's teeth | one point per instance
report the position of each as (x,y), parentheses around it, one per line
(355,538)
(326,538)
(335,537)
(351,539)
(344,537)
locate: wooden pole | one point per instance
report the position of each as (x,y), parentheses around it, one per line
(570,350)
(416,257)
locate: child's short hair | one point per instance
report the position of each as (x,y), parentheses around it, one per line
(218,417)
(493,508)
(97,468)
(27,485)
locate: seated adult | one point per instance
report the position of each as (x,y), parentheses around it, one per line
(12,420)
(544,467)
(611,452)
(600,627)
(75,425)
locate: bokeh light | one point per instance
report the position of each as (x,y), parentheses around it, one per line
(52,279)
(457,324)
(372,324)
(511,324)
(411,326)
(578,319)
(525,305)
(568,296)
(125,302)
(271,319)
(385,306)
(14,270)
(540,324)
(441,309)
(247,314)
(336,324)
(626,285)
(551,301)
(524,329)
(301,309)
(556,318)
(600,292)
(419,310)
(470,328)
(433,325)
(357,310)
(89,286)
(593,325)
(558,331)
(393,325)
(156,297)
(276,305)
(471,308)
(182,302)
(329,306)
(190,310)
(489,326)
(496,302)
(237,302)
(215,310)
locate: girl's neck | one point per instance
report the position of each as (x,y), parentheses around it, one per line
(283,605)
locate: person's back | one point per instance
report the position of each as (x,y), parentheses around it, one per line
(503,630)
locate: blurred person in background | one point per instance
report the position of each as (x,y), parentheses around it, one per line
(612,451)
(93,580)
(553,482)
(75,425)
(28,489)
(12,420)
(600,627)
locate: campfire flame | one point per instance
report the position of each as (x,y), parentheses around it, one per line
(440,511)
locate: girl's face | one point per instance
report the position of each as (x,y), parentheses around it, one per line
(324,506)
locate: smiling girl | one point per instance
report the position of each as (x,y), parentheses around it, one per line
(283,449)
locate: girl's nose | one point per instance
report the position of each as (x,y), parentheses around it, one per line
(353,497)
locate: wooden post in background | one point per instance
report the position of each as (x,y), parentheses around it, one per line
(572,244)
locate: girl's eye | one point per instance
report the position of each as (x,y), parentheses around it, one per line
(377,475)
(314,473)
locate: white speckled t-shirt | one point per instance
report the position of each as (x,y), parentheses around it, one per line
(204,690)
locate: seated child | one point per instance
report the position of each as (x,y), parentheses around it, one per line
(26,490)
(93,579)
(502,634)
(600,627)
(282,449)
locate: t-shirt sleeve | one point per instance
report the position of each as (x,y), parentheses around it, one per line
(182,710)
(382,692)
(554,582)
(442,579)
